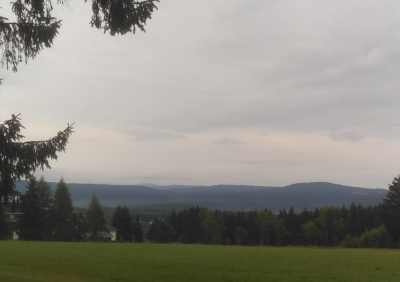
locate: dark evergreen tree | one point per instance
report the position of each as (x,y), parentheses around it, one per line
(20,159)
(391,210)
(62,213)
(46,205)
(31,222)
(266,220)
(137,231)
(293,227)
(95,218)
(241,236)
(80,227)
(160,231)
(192,232)
(351,222)
(280,232)
(212,227)
(3,223)
(173,220)
(122,221)
(253,227)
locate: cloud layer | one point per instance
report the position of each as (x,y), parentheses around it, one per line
(259,92)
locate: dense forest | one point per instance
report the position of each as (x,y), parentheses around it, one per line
(353,226)
(40,215)
(328,226)
(48,216)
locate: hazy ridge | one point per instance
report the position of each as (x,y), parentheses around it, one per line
(227,197)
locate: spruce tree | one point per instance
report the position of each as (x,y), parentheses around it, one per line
(122,221)
(80,227)
(391,210)
(160,231)
(3,223)
(62,213)
(95,218)
(20,159)
(46,204)
(137,231)
(31,223)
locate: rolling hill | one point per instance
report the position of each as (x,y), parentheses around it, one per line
(226,197)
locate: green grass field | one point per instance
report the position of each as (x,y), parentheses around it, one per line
(43,261)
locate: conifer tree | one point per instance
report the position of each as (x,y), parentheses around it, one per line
(62,213)
(3,224)
(122,221)
(80,226)
(391,210)
(95,218)
(31,223)
(241,235)
(160,231)
(20,159)
(46,204)
(266,221)
(137,231)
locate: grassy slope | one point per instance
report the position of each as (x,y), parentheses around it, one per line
(32,261)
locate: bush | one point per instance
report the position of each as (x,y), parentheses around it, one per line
(350,242)
(375,238)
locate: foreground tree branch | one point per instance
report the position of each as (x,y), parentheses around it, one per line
(35,28)
(20,159)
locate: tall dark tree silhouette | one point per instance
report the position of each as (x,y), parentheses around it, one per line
(137,231)
(80,226)
(122,220)
(95,218)
(20,159)
(3,223)
(62,213)
(31,223)
(391,210)
(46,204)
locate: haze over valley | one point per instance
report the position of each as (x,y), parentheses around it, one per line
(225,197)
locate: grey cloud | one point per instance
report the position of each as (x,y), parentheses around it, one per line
(80,176)
(228,140)
(153,134)
(351,135)
(265,66)
(160,178)
(266,71)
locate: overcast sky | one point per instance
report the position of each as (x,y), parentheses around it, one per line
(255,92)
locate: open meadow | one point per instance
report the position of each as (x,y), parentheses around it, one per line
(48,261)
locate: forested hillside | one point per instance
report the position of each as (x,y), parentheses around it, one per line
(356,226)
(226,197)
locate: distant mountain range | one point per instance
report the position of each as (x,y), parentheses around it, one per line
(225,197)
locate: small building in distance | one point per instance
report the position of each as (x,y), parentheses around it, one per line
(110,234)
(12,213)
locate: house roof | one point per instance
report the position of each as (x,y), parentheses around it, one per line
(110,228)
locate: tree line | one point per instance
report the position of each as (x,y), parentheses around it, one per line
(51,217)
(354,226)
(327,226)
(45,216)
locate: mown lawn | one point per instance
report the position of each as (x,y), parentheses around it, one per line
(44,261)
